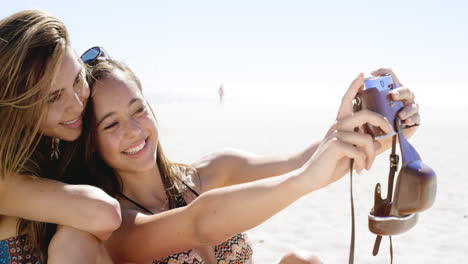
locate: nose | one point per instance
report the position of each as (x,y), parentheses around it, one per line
(132,129)
(83,93)
(79,97)
(76,103)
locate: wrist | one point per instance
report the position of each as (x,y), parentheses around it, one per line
(302,181)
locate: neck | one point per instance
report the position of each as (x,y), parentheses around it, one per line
(145,188)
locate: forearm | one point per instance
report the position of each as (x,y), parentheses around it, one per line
(245,168)
(211,218)
(221,213)
(297,160)
(80,206)
(71,246)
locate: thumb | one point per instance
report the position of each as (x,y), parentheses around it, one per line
(346,107)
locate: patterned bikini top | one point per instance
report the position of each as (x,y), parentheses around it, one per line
(14,250)
(236,250)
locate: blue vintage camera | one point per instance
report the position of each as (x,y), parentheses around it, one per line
(381,83)
(376,97)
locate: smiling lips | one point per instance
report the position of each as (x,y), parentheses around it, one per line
(136,149)
(73,123)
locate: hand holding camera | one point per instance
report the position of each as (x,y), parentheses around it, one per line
(344,140)
(383,94)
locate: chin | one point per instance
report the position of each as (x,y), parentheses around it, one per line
(137,169)
(69,136)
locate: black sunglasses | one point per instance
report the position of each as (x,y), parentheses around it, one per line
(95,53)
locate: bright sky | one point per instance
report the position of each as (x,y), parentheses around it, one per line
(296,51)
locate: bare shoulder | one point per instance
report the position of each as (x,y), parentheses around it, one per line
(215,168)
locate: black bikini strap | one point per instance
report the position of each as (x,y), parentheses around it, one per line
(181,200)
(190,188)
(135,203)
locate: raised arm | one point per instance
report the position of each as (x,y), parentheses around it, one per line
(230,167)
(80,206)
(233,167)
(221,213)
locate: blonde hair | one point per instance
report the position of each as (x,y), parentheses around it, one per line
(32,44)
(172,174)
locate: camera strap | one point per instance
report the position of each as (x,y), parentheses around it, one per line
(386,204)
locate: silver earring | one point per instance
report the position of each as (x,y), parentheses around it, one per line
(55,152)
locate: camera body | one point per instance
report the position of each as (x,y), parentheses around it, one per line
(376,97)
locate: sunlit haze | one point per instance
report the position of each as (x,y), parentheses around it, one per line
(279,52)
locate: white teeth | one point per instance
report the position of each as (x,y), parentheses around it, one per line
(71,122)
(136,149)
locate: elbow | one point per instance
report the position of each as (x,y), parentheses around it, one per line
(108,218)
(111,217)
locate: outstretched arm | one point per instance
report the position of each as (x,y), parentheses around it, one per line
(80,206)
(231,167)
(234,167)
(221,213)
(210,219)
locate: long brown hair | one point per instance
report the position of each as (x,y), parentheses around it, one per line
(103,176)
(32,45)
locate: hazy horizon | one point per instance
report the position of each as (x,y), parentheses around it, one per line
(272,51)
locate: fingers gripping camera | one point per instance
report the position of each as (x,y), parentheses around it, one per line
(376,97)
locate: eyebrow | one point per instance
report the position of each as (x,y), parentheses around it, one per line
(134,100)
(77,78)
(56,92)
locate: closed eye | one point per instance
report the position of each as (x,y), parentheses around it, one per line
(110,126)
(140,110)
(54,97)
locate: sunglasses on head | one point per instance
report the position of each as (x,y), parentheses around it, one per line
(94,54)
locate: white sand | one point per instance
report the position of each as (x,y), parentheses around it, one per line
(321,222)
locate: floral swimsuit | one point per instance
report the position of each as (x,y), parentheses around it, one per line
(14,250)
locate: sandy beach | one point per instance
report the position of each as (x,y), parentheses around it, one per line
(321,222)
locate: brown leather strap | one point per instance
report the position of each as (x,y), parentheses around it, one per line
(375,250)
(394,160)
(391,250)
(351,247)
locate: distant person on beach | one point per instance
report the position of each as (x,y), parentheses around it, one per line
(221,93)
(43,92)
(177,213)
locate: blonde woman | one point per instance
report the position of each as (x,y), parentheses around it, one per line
(42,96)
(174,213)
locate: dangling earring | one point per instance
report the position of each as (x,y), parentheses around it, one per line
(55,152)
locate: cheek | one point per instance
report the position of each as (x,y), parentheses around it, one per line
(150,124)
(52,119)
(108,147)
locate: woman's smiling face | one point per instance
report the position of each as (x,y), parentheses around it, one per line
(66,99)
(126,133)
